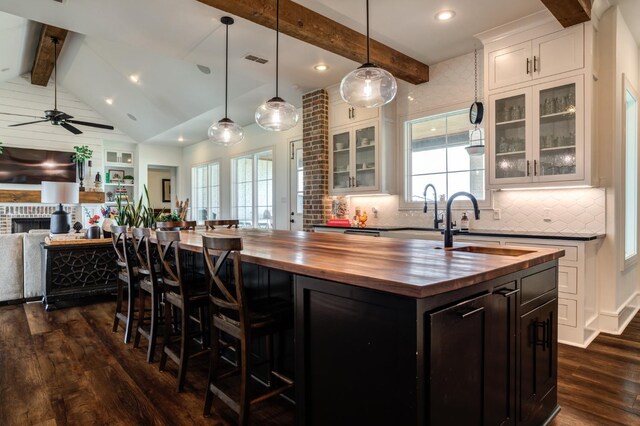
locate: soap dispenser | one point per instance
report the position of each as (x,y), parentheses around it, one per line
(464,222)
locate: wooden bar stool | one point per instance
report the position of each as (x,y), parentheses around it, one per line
(127,274)
(189,225)
(171,226)
(230,313)
(183,296)
(148,285)
(228,223)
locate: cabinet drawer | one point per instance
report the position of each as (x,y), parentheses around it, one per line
(568,279)
(535,285)
(570,252)
(567,312)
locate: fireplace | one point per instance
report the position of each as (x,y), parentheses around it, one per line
(25,224)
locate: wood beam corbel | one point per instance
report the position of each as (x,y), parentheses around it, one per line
(569,12)
(45,57)
(311,27)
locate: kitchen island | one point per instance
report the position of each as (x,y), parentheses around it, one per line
(404,332)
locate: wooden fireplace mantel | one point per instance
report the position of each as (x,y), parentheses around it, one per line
(33,196)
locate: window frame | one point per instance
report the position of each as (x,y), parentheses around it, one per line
(627,262)
(404,162)
(233,196)
(207,164)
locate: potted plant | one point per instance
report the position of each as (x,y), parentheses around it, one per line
(128,179)
(81,155)
(1,149)
(93,232)
(171,220)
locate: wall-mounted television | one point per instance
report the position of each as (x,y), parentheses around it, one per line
(32,166)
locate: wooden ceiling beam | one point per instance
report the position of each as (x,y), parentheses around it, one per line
(45,57)
(311,27)
(569,12)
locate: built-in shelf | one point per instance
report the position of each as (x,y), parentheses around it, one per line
(558,148)
(506,123)
(119,184)
(341,150)
(562,114)
(499,154)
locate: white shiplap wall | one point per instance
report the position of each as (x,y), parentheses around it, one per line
(19,96)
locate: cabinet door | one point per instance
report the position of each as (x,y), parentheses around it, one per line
(538,361)
(456,367)
(111,156)
(340,161)
(559,130)
(510,118)
(344,114)
(366,167)
(559,52)
(126,157)
(511,65)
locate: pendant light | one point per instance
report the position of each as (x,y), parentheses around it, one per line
(368,86)
(277,114)
(476,113)
(225,132)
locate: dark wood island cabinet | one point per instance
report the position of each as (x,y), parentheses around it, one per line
(402,332)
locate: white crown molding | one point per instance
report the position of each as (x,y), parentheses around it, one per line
(518,26)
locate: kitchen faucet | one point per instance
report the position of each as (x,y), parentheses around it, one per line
(448,233)
(436,221)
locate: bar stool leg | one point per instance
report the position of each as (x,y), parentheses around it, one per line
(245,375)
(184,349)
(167,334)
(153,329)
(116,320)
(213,369)
(141,303)
(269,340)
(130,312)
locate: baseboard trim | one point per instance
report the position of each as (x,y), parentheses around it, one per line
(616,322)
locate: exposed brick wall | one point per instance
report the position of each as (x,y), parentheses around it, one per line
(315,128)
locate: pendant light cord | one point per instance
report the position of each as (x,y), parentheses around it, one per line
(368,47)
(55,73)
(277,42)
(226,72)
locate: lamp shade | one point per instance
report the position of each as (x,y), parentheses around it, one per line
(60,193)
(277,115)
(368,87)
(225,132)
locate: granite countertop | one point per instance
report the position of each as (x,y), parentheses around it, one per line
(408,267)
(488,232)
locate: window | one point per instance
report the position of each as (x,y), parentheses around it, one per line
(252,189)
(435,153)
(630,175)
(205,192)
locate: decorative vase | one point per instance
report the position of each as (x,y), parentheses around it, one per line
(93,232)
(81,174)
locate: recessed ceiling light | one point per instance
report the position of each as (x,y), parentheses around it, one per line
(134,78)
(433,129)
(321,67)
(180,139)
(204,69)
(445,15)
(5,69)
(132,117)
(109,101)
(410,97)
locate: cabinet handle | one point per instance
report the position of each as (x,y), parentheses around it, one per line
(535,64)
(507,292)
(528,168)
(350,182)
(535,167)
(528,66)
(544,341)
(471,312)
(353,112)
(349,113)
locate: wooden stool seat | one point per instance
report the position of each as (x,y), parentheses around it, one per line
(244,321)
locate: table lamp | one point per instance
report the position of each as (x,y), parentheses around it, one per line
(60,193)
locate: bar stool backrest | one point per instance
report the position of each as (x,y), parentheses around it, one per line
(189,225)
(120,241)
(171,226)
(144,253)
(169,252)
(228,223)
(228,299)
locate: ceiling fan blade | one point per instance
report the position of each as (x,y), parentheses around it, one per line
(70,128)
(30,122)
(85,123)
(20,115)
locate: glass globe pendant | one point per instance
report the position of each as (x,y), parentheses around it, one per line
(225,132)
(276,114)
(368,86)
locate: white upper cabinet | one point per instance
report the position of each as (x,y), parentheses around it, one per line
(541,57)
(343,114)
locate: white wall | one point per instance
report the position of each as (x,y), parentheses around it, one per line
(255,139)
(166,156)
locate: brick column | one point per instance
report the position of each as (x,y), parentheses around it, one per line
(315,128)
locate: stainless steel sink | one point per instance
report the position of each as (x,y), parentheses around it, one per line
(496,251)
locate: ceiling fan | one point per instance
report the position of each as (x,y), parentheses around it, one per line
(54,116)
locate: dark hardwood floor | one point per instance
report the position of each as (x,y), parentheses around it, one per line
(67,368)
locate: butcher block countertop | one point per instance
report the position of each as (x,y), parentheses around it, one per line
(413,268)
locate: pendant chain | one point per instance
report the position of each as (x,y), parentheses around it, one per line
(475,72)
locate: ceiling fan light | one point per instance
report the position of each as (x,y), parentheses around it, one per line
(277,115)
(368,87)
(225,132)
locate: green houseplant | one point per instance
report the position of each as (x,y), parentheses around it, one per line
(80,156)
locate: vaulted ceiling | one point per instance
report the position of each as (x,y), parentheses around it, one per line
(176,50)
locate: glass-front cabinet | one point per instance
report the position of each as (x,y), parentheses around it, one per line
(354,159)
(538,134)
